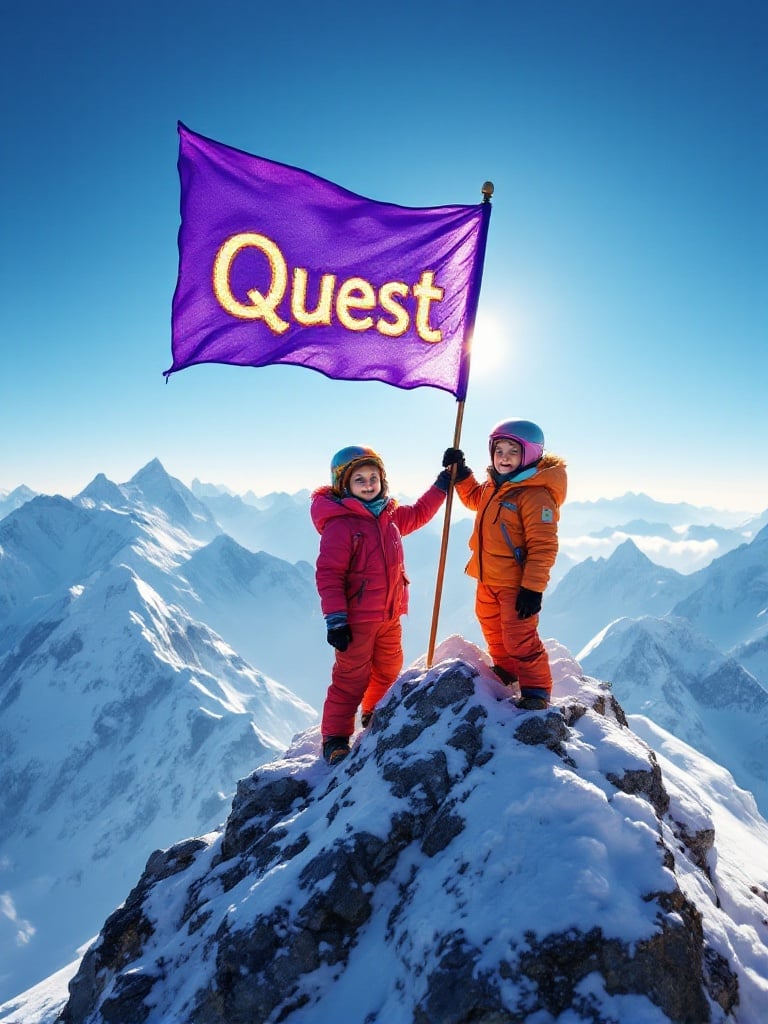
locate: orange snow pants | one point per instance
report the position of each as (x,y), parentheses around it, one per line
(362,674)
(514,644)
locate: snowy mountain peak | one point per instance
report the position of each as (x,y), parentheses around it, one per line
(226,562)
(492,865)
(154,469)
(628,556)
(15,499)
(155,489)
(101,492)
(596,592)
(153,481)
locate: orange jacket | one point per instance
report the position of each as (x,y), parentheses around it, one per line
(514,542)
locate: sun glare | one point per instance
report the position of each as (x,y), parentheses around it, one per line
(488,345)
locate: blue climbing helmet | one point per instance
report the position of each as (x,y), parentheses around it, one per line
(528,435)
(347,459)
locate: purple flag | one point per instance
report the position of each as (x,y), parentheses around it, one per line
(277,265)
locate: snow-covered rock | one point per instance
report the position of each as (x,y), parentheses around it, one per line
(466,862)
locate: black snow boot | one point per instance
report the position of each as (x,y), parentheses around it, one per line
(335,749)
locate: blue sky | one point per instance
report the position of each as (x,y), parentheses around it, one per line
(625,298)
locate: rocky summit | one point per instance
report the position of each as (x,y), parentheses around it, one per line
(468,862)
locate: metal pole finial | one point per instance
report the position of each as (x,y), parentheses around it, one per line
(487,191)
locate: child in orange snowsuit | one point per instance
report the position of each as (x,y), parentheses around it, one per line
(360,575)
(514,546)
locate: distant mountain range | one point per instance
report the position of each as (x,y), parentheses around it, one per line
(591,516)
(125,720)
(691,652)
(726,601)
(677,535)
(664,669)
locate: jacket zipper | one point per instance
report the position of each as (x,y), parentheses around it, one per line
(480,538)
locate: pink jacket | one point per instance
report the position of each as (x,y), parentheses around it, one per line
(360,569)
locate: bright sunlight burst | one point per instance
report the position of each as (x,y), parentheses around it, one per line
(489,345)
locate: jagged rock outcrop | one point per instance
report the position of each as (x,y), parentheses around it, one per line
(397,850)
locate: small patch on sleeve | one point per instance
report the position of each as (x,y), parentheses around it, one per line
(547,515)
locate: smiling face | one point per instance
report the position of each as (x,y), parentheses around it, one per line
(365,482)
(507,456)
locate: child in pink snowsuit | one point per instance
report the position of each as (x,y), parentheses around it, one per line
(360,575)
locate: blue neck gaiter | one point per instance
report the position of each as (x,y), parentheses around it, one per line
(518,474)
(376,505)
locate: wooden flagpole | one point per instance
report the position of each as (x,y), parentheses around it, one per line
(444,541)
(487,192)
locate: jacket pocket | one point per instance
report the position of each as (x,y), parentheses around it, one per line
(357,557)
(517,550)
(356,595)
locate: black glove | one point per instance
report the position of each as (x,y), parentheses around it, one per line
(340,637)
(528,603)
(455,456)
